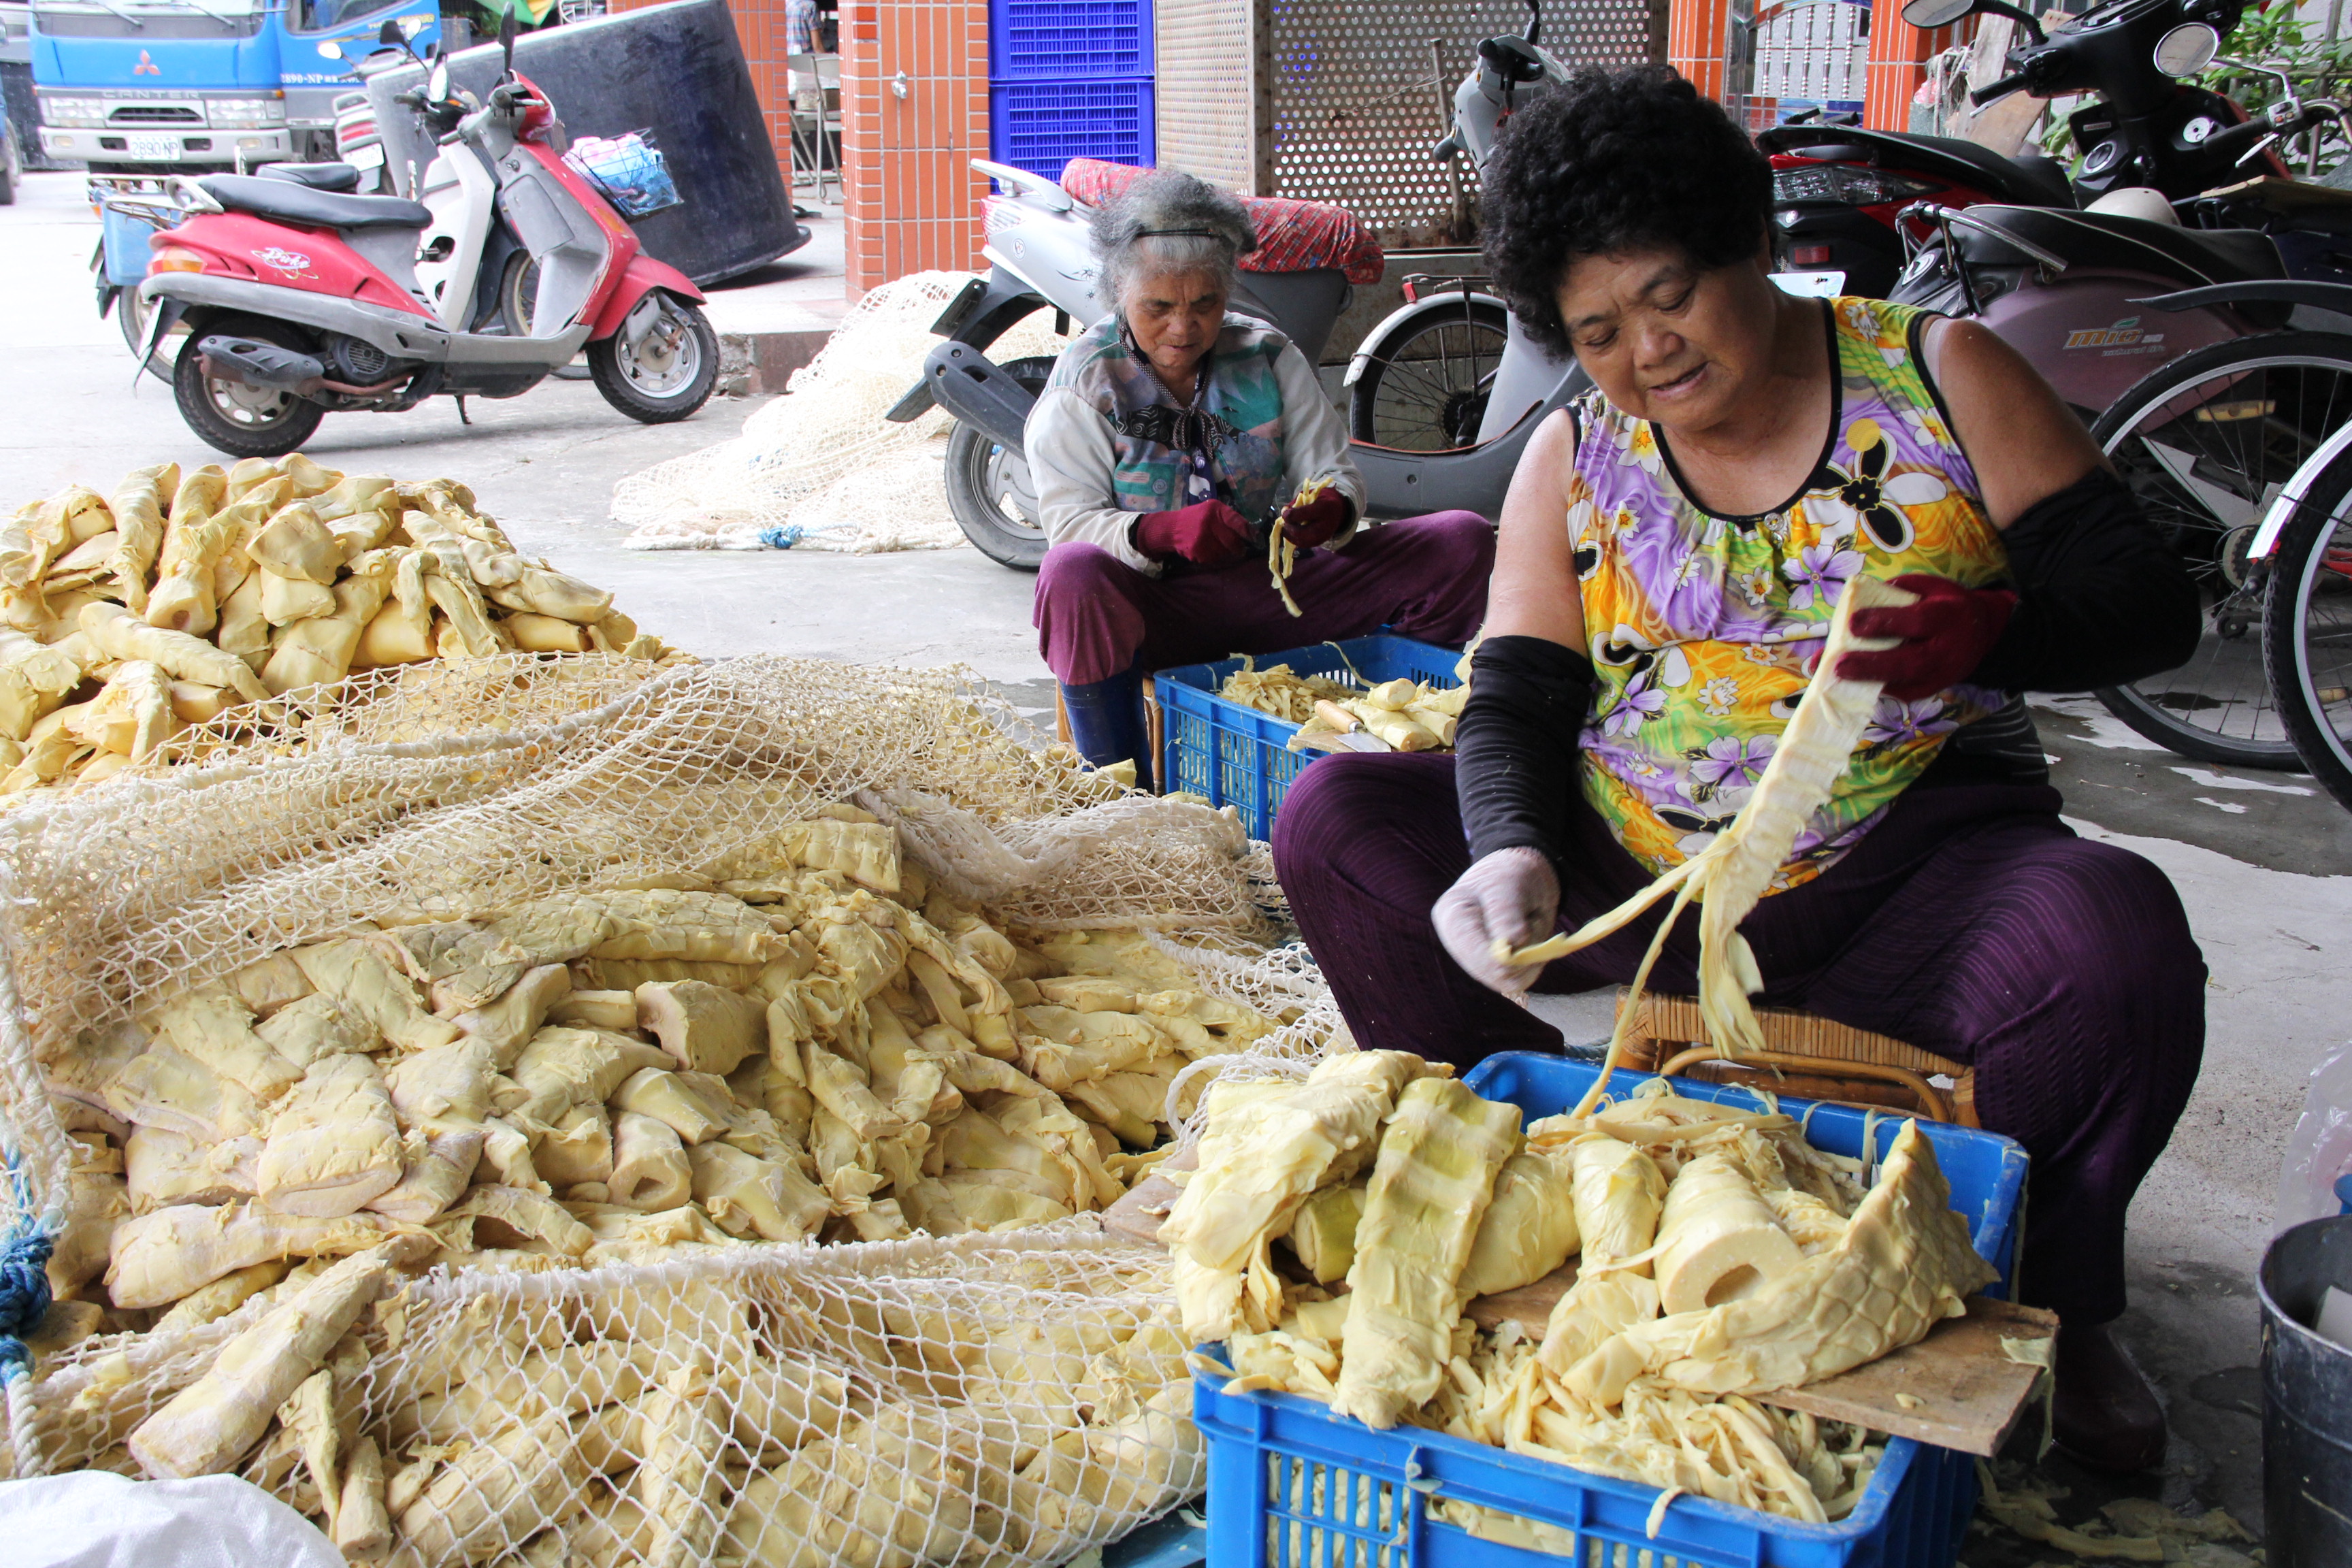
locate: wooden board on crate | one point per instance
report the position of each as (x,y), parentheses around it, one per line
(1966,1392)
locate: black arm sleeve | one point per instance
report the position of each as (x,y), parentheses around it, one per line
(1515,746)
(2100,598)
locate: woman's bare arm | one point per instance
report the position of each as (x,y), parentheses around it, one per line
(1534,592)
(2022,440)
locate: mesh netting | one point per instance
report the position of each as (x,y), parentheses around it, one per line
(819,468)
(980,1401)
(988,1398)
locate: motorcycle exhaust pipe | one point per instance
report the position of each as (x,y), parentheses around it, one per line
(262,365)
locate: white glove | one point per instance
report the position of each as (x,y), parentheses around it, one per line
(1510,897)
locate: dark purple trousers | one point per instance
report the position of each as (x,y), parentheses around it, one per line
(1425,576)
(1970,922)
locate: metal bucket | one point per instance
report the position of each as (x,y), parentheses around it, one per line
(2306,1400)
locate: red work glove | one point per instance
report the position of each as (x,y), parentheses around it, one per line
(1206,533)
(1318,520)
(1945,636)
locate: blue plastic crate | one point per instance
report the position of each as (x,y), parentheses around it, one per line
(1068,40)
(1041,125)
(1293,1486)
(1237,756)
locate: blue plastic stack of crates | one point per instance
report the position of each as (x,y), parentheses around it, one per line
(1069,79)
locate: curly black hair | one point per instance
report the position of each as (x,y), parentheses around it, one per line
(1612,161)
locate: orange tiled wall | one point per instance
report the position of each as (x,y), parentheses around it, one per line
(760,23)
(912,201)
(1695,31)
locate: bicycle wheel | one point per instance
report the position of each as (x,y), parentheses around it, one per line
(2307,630)
(2205,442)
(1425,390)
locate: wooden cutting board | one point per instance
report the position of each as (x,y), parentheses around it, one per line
(1970,1394)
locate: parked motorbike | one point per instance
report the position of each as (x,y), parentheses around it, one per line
(1841,192)
(300,299)
(1444,393)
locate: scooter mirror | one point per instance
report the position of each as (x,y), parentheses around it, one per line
(390,36)
(2187,49)
(330,49)
(1937,12)
(507,39)
(437,81)
(410,26)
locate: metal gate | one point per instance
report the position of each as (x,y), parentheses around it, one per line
(1340,101)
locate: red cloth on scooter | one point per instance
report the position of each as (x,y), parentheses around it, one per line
(1292,235)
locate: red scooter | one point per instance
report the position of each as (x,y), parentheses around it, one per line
(301,300)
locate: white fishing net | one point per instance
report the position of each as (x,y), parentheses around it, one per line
(986,1398)
(819,468)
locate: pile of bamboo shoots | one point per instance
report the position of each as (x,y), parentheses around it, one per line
(802,1041)
(125,618)
(1401,715)
(1719,1254)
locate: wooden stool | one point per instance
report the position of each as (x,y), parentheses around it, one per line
(1810,1058)
(1153,732)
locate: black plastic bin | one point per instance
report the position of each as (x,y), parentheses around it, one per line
(2306,1400)
(678,70)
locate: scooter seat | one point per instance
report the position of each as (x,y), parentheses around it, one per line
(1293,236)
(2195,255)
(344,177)
(291,203)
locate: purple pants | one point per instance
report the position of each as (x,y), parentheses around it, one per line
(1425,576)
(1969,922)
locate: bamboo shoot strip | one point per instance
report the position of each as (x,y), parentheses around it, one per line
(1732,873)
(1281,554)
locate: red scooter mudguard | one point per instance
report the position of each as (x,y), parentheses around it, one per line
(643,275)
(2090,341)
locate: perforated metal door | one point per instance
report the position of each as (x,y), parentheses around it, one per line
(1339,100)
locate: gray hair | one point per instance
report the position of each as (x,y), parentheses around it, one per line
(1169,222)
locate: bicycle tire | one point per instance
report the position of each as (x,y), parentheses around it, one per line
(2315,696)
(2207,487)
(1450,414)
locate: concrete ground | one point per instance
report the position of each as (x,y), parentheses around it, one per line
(2263,860)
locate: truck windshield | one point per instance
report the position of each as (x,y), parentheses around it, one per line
(317,15)
(148,19)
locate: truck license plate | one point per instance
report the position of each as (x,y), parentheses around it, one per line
(155,146)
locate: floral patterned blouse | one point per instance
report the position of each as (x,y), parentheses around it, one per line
(1705,629)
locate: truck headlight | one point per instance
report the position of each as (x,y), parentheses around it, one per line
(80,113)
(239,113)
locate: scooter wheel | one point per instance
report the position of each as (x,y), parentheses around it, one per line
(668,374)
(241,420)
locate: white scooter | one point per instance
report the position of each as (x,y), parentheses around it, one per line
(1442,393)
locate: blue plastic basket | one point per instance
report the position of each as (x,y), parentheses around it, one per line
(1041,125)
(1236,756)
(1293,1486)
(1068,40)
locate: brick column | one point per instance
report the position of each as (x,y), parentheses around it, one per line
(910,200)
(1899,54)
(1695,31)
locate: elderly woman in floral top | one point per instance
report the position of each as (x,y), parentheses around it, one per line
(1672,552)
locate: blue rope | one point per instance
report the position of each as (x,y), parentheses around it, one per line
(782,538)
(24,1299)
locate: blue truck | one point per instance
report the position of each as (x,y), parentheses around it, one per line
(139,86)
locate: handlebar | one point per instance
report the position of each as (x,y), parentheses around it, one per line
(2000,88)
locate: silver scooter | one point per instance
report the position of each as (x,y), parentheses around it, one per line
(1442,393)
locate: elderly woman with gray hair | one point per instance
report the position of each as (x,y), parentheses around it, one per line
(1167,431)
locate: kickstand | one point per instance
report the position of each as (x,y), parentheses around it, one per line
(463,417)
